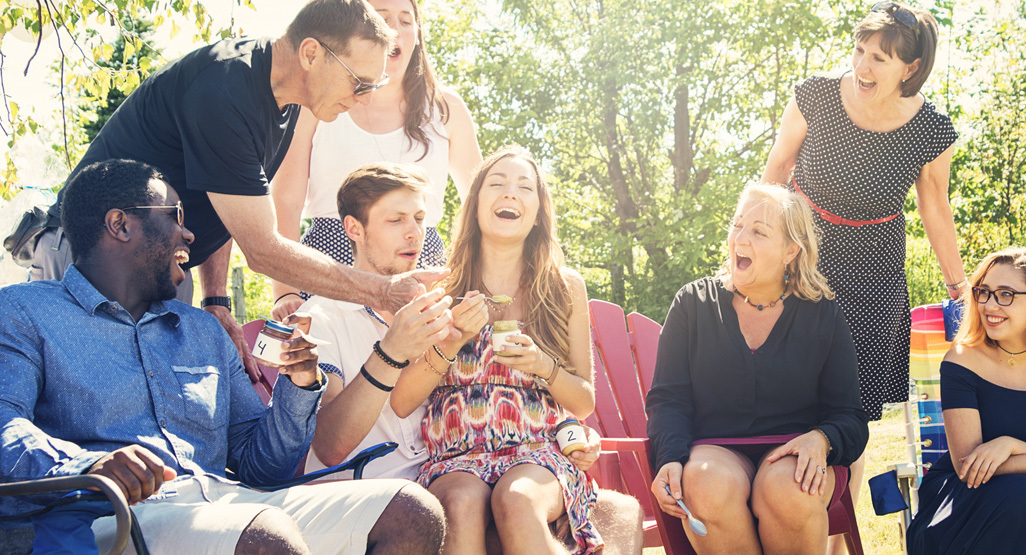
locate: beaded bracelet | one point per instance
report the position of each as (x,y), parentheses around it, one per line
(374,382)
(387,359)
(445,358)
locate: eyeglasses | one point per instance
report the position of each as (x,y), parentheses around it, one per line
(362,87)
(900,14)
(177,206)
(1003,297)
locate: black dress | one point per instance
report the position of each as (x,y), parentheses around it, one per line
(708,383)
(864,175)
(992,518)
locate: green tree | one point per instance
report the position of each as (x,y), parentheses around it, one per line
(649,117)
(86,67)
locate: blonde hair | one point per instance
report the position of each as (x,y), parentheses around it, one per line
(806,281)
(971,332)
(544,291)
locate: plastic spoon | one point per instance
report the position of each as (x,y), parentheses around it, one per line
(696,525)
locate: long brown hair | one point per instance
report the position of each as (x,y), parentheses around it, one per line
(543,289)
(971,332)
(421,92)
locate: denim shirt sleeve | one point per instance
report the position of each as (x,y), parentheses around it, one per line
(28,452)
(269,447)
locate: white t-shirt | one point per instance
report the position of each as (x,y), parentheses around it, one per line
(341,146)
(352,332)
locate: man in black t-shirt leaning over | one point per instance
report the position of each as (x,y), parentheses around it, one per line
(217,123)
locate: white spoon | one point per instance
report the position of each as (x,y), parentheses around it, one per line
(696,525)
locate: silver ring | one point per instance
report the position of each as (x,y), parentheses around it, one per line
(822,470)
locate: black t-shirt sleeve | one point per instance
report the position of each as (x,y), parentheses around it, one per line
(219,136)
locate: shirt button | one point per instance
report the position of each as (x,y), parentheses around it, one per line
(163,424)
(151,373)
(113,308)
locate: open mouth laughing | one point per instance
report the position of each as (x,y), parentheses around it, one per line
(508,213)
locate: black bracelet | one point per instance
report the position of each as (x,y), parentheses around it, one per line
(445,358)
(389,360)
(375,383)
(286,295)
(217,301)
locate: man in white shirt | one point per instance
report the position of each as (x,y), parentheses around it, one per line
(387,231)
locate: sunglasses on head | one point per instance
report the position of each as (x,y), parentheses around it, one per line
(362,87)
(900,14)
(1003,297)
(177,206)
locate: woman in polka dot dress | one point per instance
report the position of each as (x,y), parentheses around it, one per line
(852,146)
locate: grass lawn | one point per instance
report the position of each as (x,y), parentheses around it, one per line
(880,534)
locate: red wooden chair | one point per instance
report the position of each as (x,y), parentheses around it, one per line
(625,362)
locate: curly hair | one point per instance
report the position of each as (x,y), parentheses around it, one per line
(98,189)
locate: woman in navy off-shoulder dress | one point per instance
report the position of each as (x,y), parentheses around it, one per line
(971,500)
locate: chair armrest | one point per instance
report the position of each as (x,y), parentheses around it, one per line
(356,464)
(625,444)
(107,487)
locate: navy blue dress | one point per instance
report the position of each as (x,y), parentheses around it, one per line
(992,518)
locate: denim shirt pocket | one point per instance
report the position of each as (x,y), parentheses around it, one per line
(201,392)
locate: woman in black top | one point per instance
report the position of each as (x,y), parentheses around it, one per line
(758,349)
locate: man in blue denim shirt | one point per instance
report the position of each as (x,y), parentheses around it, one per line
(104,373)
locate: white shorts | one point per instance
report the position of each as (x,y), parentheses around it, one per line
(208,516)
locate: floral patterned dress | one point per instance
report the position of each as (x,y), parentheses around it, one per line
(485,418)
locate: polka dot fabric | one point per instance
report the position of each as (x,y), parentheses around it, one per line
(328,236)
(866,175)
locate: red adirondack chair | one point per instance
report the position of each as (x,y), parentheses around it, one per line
(624,365)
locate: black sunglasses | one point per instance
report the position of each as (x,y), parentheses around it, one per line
(1003,297)
(900,14)
(362,87)
(177,206)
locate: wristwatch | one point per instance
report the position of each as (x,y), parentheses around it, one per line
(217,301)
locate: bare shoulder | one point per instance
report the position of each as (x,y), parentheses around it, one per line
(574,280)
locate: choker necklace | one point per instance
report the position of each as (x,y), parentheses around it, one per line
(762,306)
(1011,359)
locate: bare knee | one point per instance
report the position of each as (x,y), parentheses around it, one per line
(412,522)
(777,496)
(709,488)
(464,503)
(271,531)
(517,499)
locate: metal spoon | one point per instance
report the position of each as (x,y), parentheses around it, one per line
(696,525)
(498,299)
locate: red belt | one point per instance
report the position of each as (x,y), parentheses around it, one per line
(834,218)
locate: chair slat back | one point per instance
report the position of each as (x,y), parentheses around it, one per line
(614,348)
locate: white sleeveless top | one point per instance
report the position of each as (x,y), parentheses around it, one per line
(341,146)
